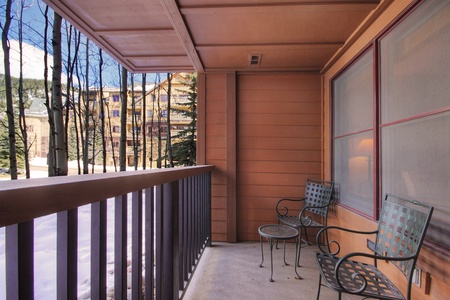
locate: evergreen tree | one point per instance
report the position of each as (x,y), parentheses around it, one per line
(184,149)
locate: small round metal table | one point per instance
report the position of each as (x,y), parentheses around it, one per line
(273,233)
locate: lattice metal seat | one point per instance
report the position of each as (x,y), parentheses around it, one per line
(401,230)
(314,212)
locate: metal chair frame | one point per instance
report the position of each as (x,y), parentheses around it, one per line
(314,213)
(398,239)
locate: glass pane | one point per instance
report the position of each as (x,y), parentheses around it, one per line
(415,164)
(353,171)
(414,63)
(353,97)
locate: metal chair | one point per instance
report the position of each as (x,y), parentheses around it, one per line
(401,230)
(314,212)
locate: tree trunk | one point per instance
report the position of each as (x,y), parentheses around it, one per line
(77,109)
(51,124)
(60,146)
(86,115)
(9,98)
(22,119)
(134,131)
(169,138)
(123,123)
(102,111)
(144,121)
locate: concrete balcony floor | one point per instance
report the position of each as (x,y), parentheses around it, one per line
(231,271)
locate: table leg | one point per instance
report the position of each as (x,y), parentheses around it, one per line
(271,258)
(262,251)
(284,253)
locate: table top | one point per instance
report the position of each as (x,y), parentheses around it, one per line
(277,231)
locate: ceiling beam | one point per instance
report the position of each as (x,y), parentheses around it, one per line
(153,31)
(310,6)
(269,46)
(175,17)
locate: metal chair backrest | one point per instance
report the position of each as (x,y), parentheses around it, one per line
(318,196)
(401,230)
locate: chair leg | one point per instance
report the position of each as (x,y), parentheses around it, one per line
(306,236)
(318,288)
(300,246)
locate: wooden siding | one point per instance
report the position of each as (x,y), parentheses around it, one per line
(278,144)
(216,150)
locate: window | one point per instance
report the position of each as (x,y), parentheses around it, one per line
(116,113)
(116,129)
(353,135)
(413,136)
(116,98)
(415,112)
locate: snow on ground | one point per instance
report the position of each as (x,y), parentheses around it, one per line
(45,249)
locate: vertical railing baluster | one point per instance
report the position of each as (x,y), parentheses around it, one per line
(180,230)
(158,241)
(170,256)
(197,219)
(191,225)
(208,208)
(149,243)
(185,230)
(67,249)
(201,195)
(19,261)
(136,246)
(120,247)
(98,250)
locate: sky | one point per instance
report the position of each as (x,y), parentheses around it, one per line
(33,46)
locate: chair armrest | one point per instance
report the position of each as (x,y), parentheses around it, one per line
(306,220)
(283,210)
(358,277)
(334,242)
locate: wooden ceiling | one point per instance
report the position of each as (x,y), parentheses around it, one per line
(217,35)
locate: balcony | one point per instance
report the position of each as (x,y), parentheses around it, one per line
(169,228)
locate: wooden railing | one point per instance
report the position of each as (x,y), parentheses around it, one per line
(170,226)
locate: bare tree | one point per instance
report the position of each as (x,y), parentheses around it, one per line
(78,116)
(22,119)
(57,106)
(143,122)
(123,122)
(169,138)
(86,115)
(134,132)
(158,102)
(102,110)
(51,141)
(9,97)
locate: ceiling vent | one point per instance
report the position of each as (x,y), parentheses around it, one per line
(255,59)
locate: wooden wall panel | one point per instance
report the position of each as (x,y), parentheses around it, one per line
(215,150)
(278,143)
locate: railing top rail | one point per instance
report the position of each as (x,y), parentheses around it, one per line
(23,200)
